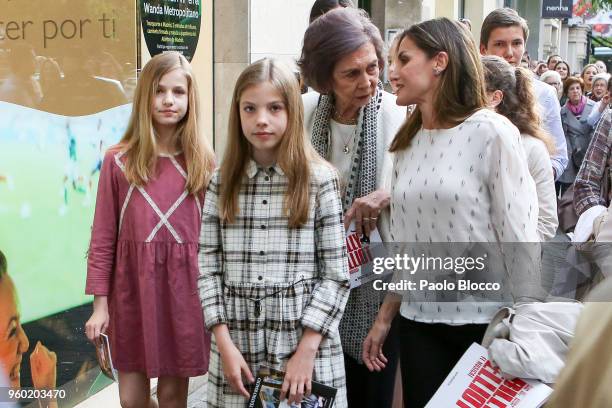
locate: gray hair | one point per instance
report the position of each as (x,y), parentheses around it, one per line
(331,37)
(601,76)
(550,73)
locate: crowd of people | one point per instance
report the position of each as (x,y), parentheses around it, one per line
(470,147)
(583,97)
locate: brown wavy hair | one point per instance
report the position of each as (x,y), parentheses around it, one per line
(139,141)
(519,100)
(461,90)
(571,80)
(295,153)
(330,38)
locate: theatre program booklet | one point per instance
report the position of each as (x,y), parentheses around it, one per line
(266,393)
(361,252)
(475,383)
(105,360)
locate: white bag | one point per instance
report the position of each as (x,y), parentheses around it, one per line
(532,340)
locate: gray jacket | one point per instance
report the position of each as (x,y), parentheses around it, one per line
(578,133)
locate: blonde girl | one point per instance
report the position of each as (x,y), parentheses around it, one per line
(273,268)
(510,93)
(588,72)
(142,265)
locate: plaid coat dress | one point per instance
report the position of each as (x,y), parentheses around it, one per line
(267,282)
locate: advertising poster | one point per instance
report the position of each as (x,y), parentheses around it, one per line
(68,70)
(171,25)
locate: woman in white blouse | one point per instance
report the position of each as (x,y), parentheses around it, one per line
(460,175)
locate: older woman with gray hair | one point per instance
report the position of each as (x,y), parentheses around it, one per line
(553,79)
(352,122)
(602,92)
(599,87)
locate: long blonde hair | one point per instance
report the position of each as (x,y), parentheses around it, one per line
(139,141)
(461,90)
(295,153)
(519,100)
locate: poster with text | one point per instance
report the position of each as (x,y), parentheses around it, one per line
(171,25)
(67,77)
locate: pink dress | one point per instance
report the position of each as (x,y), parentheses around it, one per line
(144,256)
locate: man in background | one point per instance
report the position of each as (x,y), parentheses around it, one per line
(504,33)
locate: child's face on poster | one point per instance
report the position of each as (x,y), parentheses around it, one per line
(13,340)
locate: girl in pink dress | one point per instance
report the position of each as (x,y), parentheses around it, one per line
(142,265)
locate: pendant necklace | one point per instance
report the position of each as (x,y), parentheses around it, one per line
(338,118)
(345,148)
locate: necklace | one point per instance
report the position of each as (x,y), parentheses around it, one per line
(343,121)
(345,149)
(346,141)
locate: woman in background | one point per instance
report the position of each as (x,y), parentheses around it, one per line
(588,72)
(553,79)
(510,93)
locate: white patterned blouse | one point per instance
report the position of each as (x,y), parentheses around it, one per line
(466,184)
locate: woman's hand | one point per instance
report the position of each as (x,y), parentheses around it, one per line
(365,211)
(371,352)
(298,373)
(44,367)
(234,364)
(98,322)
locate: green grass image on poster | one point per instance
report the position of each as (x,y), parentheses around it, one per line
(48,183)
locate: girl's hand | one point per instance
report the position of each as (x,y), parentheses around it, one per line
(234,367)
(372,354)
(298,373)
(365,211)
(43,364)
(298,376)
(98,322)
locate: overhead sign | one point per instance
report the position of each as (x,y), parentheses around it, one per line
(171,25)
(557,8)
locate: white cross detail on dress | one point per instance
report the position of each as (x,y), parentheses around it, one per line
(163,217)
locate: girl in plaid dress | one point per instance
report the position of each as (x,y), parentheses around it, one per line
(273,269)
